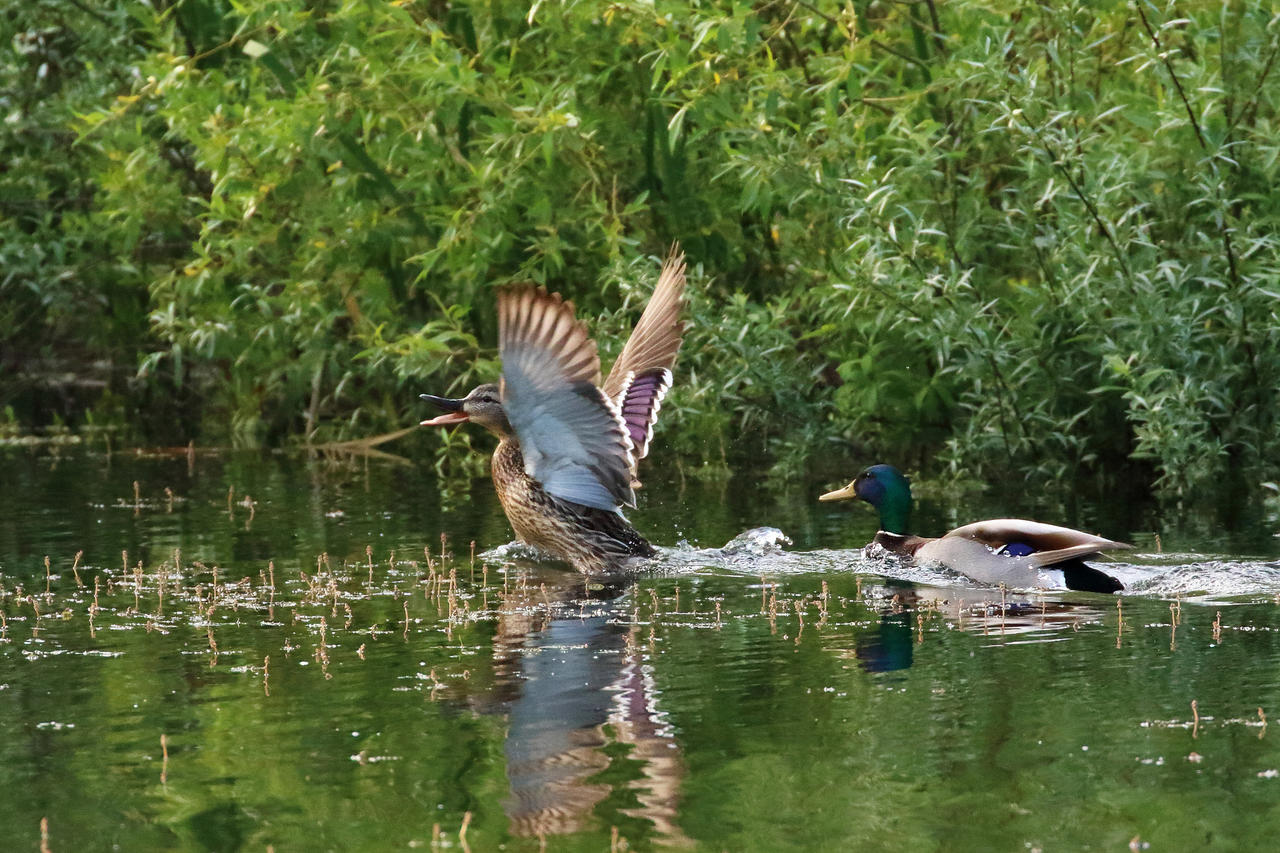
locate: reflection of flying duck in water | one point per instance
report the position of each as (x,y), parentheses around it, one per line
(574,682)
(1011,551)
(566,460)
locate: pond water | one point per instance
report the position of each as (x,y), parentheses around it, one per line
(271,652)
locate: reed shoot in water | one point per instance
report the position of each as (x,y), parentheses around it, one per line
(1119,620)
(462,833)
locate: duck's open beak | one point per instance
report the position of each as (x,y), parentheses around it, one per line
(839,494)
(453,411)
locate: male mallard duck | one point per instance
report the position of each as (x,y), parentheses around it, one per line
(567,451)
(1011,551)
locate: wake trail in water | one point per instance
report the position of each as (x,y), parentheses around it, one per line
(1198,578)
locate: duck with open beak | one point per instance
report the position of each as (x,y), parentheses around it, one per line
(568,444)
(453,413)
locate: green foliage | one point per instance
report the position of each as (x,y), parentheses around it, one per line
(73,299)
(1019,238)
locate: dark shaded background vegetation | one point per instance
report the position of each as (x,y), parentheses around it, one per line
(1004,236)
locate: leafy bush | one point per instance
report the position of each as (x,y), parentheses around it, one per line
(1014,238)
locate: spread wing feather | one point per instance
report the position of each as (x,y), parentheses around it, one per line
(573,440)
(641,376)
(656,339)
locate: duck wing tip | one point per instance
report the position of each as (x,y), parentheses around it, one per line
(655,341)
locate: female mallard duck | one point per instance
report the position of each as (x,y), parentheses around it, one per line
(1011,551)
(568,446)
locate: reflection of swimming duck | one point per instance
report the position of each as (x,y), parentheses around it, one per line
(1012,551)
(565,462)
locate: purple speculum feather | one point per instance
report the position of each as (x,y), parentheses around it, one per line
(640,404)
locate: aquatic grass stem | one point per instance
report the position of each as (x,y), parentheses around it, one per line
(462,833)
(1119,621)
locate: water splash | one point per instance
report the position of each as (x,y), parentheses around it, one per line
(1211,580)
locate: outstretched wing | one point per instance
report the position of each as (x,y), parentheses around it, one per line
(572,439)
(641,376)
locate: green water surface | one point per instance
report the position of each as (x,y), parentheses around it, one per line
(280,657)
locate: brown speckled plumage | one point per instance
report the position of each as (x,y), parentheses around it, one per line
(593,541)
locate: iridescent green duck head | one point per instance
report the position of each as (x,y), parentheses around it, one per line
(482,406)
(886,489)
